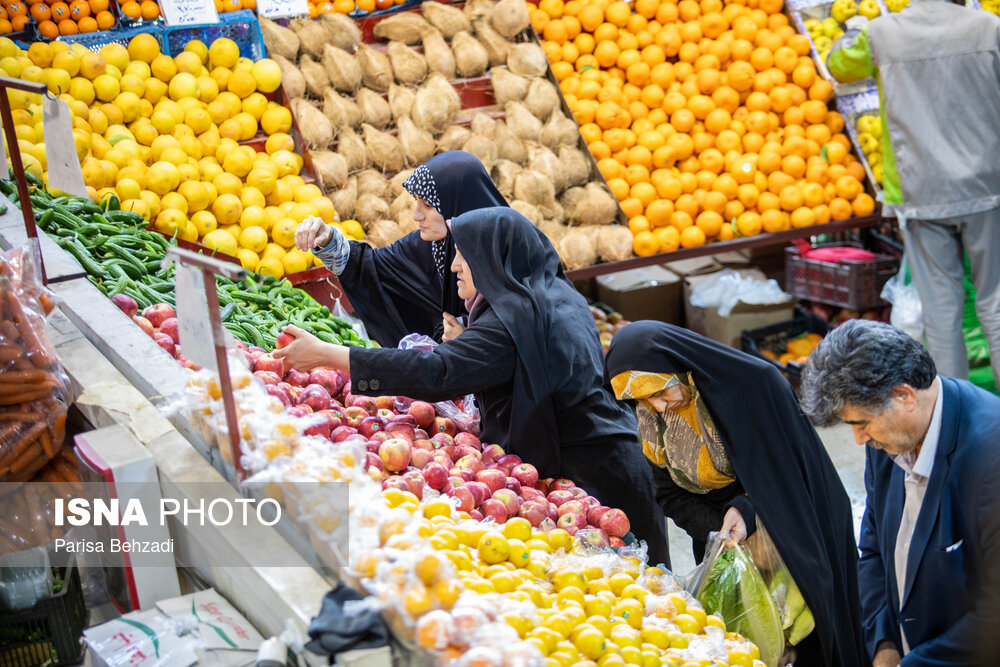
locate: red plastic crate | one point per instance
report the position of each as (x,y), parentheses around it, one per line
(849,284)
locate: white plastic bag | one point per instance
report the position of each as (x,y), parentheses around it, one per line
(724,290)
(907,313)
(462,411)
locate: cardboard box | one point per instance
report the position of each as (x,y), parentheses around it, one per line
(649,293)
(726,329)
(693,267)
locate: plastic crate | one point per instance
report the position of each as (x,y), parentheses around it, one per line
(242,27)
(774,338)
(849,284)
(55,626)
(95,40)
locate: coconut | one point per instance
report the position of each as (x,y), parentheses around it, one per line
(316,128)
(554,231)
(315,77)
(534,188)
(376,71)
(503,174)
(352,147)
(559,130)
(344,199)
(557,213)
(542,98)
(576,249)
(372,182)
(530,211)
(341,111)
(402,207)
(342,69)
(396,183)
(370,208)
(341,31)
(614,243)
(477,9)
(418,145)
(509,147)
(403,27)
(331,168)
(527,59)
(471,58)
(453,139)
(435,105)
(571,196)
(446,18)
(597,207)
(483,148)
(522,123)
(507,86)
(383,232)
(279,40)
(311,36)
(438,54)
(408,66)
(545,162)
(495,44)
(384,150)
(401,100)
(291,78)
(484,125)
(374,109)
(576,165)
(510,18)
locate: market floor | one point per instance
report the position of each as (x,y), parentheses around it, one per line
(850,462)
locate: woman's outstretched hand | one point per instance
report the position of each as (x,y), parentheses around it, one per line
(306,352)
(734,529)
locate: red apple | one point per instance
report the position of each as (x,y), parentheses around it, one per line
(144,324)
(369,426)
(510,500)
(476,515)
(577,492)
(379,437)
(158,313)
(395,454)
(465,438)
(531,493)
(495,479)
(480,491)
(325,377)
(616,542)
(508,463)
(561,484)
(553,512)
(422,434)
(165,341)
(543,485)
(355,440)
(321,425)
(526,474)
(435,474)
(386,402)
(443,440)
(416,481)
(421,457)
(341,433)
(571,522)
(355,415)
(385,414)
(423,412)
(299,379)
(615,523)
(125,303)
(378,475)
(284,339)
(424,444)
(444,425)
(463,451)
(464,497)
(266,362)
(299,410)
(512,484)
(574,507)
(367,403)
(534,512)
(279,393)
(594,515)
(558,498)
(493,453)
(405,419)
(396,483)
(444,460)
(373,446)
(466,474)
(316,397)
(470,463)
(373,461)
(453,482)
(253,349)
(494,509)
(590,501)
(267,377)
(169,327)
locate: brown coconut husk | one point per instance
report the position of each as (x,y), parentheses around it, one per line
(576,249)
(510,18)
(527,59)
(542,98)
(279,40)
(534,188)
(352,147)
(471,58)
(477,9)
(614,243)
(376,71)
(576,165)
(509,147)
(453,139)
(401,209)
(343,69)
(316,129)
(384,150)
(315,77)
(597,207)
(406,27)
(401,100)
(408,66)
(383,232)
(438,54)
(554,231)
(571,196)
(484,125)
(557,214)
(311,36)
(530,211)
(436,104)
(449,20)
(372,182)
(374,109)
(291,78)
(418,145)
(341,111)
(559,130)
(396,182)
(331,168)
(344,199)
(503,174)
(522,123)
(495,44)
(370,208)
(507,86)
(545,162)
(341,31)
(483,148)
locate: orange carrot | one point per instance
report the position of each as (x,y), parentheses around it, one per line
(30,455)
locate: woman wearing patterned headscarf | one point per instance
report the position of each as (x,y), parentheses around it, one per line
(407,287)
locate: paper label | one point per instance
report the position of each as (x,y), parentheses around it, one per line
(282,8)
(60,148)
(188,12)
(220,625)
(193,321)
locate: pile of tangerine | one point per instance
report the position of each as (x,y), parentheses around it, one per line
(147,10)
(57,18)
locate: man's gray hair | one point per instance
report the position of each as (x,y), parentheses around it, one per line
(860,363)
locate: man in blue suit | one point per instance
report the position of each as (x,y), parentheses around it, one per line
(929,571)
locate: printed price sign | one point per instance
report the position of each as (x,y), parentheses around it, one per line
(188,12)
(273,9)
(60,148)
(192,317)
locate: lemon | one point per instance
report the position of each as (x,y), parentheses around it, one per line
(68,62)
(93,173)
(174,156)
(227,209)
(143,47)
(251,196)
(182,85)
(136,206)
(241,84)
(248,258)
(248,125)
(135,68)
(277,121)
(303,210)
(253,238)
(270,267)
(255,104)
(198,47)
(221,76)
(154,90)
(223,52)
(163,68)
(8,48)
(220,240)
(128,189)
(188,232)
(152,200)
(176,201)
(231,129)
(196,195)
(295,261)
(353,229)
(170,222)
(227,184)
(57,80)
(306,193)
(189,62)
(106,87)
(162,178)
(41,54)
(205,222)
(267,74)
(274,251)
(208,88)
(279,141)
(283,232)
(11,66)
(253,216)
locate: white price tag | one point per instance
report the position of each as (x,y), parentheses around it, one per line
(273,9)
(193,319)
(60,147)
(188,12)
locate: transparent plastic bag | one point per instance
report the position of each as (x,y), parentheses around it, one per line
(907,312)
(796,618)
(462,411)
(729,287)
(25,579)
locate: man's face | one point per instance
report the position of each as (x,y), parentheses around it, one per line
(895,430)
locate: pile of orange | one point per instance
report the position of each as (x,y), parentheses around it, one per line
(317,7)
(146,10)
(56,18)
(708,118)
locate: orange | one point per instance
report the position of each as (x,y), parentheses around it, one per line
(87,24)
(681,220)
(803,217)
(668,237)
(757,101)
(607,53)
(700,106)
(848,187)
(79,9)
(132,10)
(682,121)
(761,59)
(794,166)
(821,91)
(41,12)
(637,73)
(150,10)
(691,32)
(822,213)
(712,160)
(659,211)
(644,192)
(590,16)
(619,188)
(636,174)
(793,116)
(786,59)
(709,222)
(804,76)
(715,202)
(645,243)
(639,224)
(617,13)
(744,28)
(840,209)
(48,29)
(105,20)
(688,10)
(863,204)
(68,27)
(749,224)
(813,194)
(855,170)
(774,220)
(814,111)
(632,207)
(752,141)
(691,237)
(790,197)
(819,133)
(686,204)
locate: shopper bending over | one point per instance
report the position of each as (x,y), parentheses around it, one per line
(728,447)
(533,359)
(407,287)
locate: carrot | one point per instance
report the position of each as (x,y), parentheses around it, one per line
(67,471)
(32,375)
(59,432)
(30,454)
(51,476)
(11,531)
(8,390)
(46,302)
(24,397)
(9,332)
(25,326)
(10,353)
(23,442)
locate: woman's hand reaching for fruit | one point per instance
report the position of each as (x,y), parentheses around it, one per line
(302,351)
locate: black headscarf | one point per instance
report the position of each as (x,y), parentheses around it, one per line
(780,462)
(518,273)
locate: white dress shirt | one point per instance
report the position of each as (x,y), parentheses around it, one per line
(917,474)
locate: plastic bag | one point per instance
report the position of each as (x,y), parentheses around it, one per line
(907,312)
(25,579)
(729,287)
(356,324)
(462,411)
(796,618)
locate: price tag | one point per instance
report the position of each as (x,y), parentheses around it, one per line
(187,12)
(273,9)
(193,322)
(60,148)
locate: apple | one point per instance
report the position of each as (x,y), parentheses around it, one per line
(558,498)
(510,500)
(553,512)
(266,362)
(594,515)
(395,454)
(512,484)
(453,482)
(480,491)
(424,444)
(495,479)
(293,392)
(144,324)
(355,415)
(525,473)
(590,501)
(577,492)
(443,440)
(386,402)
(253,348)
(405,419)
(423,412)
(465,438)
(385,414)
(300,379)
(278,393)
(325,377)
(422,434)
(543,485)
(465,451)
(169,327)
(367,403)
(616,542)
(402,404)
(341,433)
(377,475)
(470,463)
(534,512)
(125,303)
(299,410)
(444,460)
(316,397)
(571,522)
(464,497)
(158,313)
(166,342)
(444,425)
(494,509)
(321,425)
(508,462)
(615,523)
(466,474)
(562,485)
(395,482)
(476,515)
(435,474)
(373,461)
(267,377)
(369,426)
(493,453)
(415,479)
(372,446)
(420,457)
(379,437)
(284,339)
(355,440)
(531,493)
(573,506)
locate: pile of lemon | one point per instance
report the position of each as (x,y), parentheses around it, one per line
(869,128)
(164,135)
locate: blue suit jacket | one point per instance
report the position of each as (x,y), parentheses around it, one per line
(951,601)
